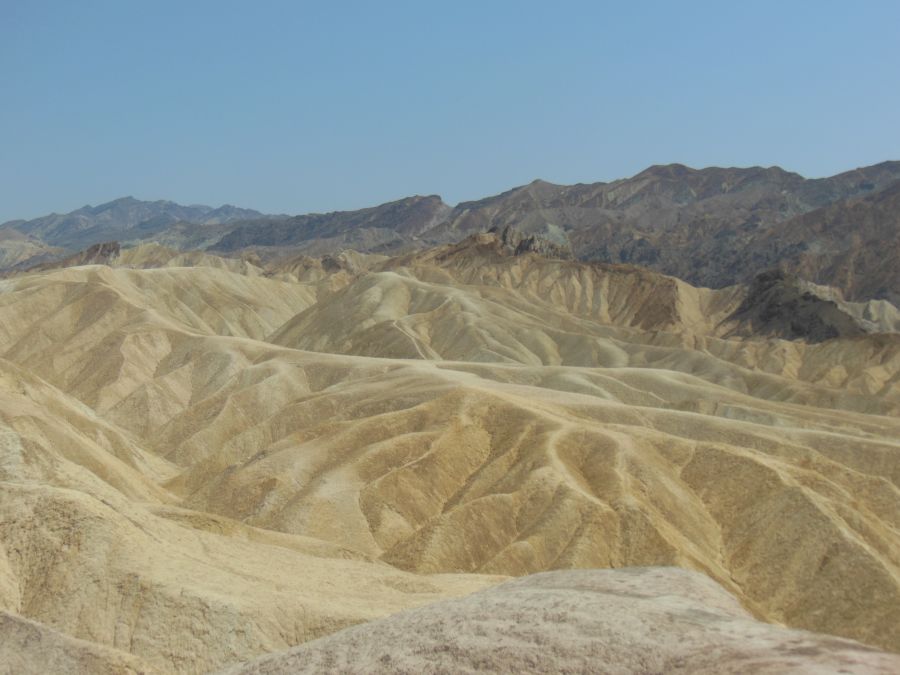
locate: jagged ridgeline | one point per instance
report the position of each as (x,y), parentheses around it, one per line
(711,227)
(213,452)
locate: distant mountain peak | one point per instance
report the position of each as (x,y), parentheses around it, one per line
(673,170)
(125,219)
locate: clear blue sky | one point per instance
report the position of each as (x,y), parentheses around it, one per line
(316,106)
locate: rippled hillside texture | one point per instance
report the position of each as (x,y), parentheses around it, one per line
(204,460)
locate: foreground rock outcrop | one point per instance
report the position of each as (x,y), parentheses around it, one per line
(636,620)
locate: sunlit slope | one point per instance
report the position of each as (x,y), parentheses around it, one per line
(186,599)
(93,545)
(71,301)
(499,430)
(483,307)
(459,469)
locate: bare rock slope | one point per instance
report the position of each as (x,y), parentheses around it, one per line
(30,647)
(715,226)
(636,620)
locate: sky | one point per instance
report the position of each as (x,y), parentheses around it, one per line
(294,107)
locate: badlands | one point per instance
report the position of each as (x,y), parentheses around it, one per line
(471,457)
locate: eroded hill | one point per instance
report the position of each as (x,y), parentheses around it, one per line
(204,461)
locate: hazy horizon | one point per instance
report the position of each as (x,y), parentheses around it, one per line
(138,197)
(299,109)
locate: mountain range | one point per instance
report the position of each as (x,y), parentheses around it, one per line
(711,227)
(125,218)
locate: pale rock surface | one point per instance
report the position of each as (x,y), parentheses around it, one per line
(27,647)
(636,620)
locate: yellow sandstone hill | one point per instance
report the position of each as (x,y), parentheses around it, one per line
(205,461)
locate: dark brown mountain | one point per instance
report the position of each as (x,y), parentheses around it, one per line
(711,227)
(387,227)
(778,305)
(853,245)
